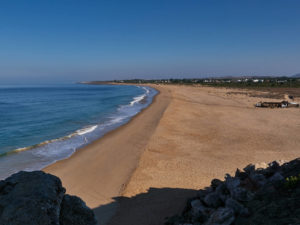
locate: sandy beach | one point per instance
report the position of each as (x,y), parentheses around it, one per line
(145,170)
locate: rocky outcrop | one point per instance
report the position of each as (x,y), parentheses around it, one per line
(260,194)
(74,211)
(38,198)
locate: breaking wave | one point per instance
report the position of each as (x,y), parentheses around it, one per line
(47,152)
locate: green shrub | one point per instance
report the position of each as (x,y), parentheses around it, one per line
(292,181)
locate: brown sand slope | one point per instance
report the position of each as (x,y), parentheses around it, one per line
(187,137)
(100,171)
(203,134)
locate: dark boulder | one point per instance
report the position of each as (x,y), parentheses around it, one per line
(262,194)
(75,211)
(37,198)
(31,198)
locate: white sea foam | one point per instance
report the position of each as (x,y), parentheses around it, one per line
(117,119)
(137,99)
(141,97)
(86,130)
(147,90)
(50,151)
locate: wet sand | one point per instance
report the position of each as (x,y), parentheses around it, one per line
(145,170)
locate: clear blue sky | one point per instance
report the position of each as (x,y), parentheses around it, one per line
(65,41)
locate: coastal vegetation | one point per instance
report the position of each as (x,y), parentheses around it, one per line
(275,87)
(292,181)
(230,82)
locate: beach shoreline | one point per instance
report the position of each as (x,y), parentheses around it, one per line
(73,169)
(70,127)
(145,170)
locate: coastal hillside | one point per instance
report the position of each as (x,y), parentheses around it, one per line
(259,194)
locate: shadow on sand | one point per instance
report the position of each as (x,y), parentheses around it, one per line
(151,208)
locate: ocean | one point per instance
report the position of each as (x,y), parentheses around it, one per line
(40,125)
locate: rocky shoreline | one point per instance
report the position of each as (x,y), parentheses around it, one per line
(259,194)
(38,198)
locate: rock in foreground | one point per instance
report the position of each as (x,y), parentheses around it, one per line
(38,198)
(260,194)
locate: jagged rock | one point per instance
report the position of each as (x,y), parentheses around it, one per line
(31,198)
(212,200)
(267,191)
(231,184)
(203,192)
(257,196)
(240,174)
(241,194)
(277,177)
(198,209)
(281,162)
(261,165)
(291,168)
(258,179)
(215,183)
(237,207)
(274,166)
(35,198)
(223,216)
(75,211)
(197,205)
(222,192)
(249,169)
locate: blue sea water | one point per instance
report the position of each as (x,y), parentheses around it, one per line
(42,124)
